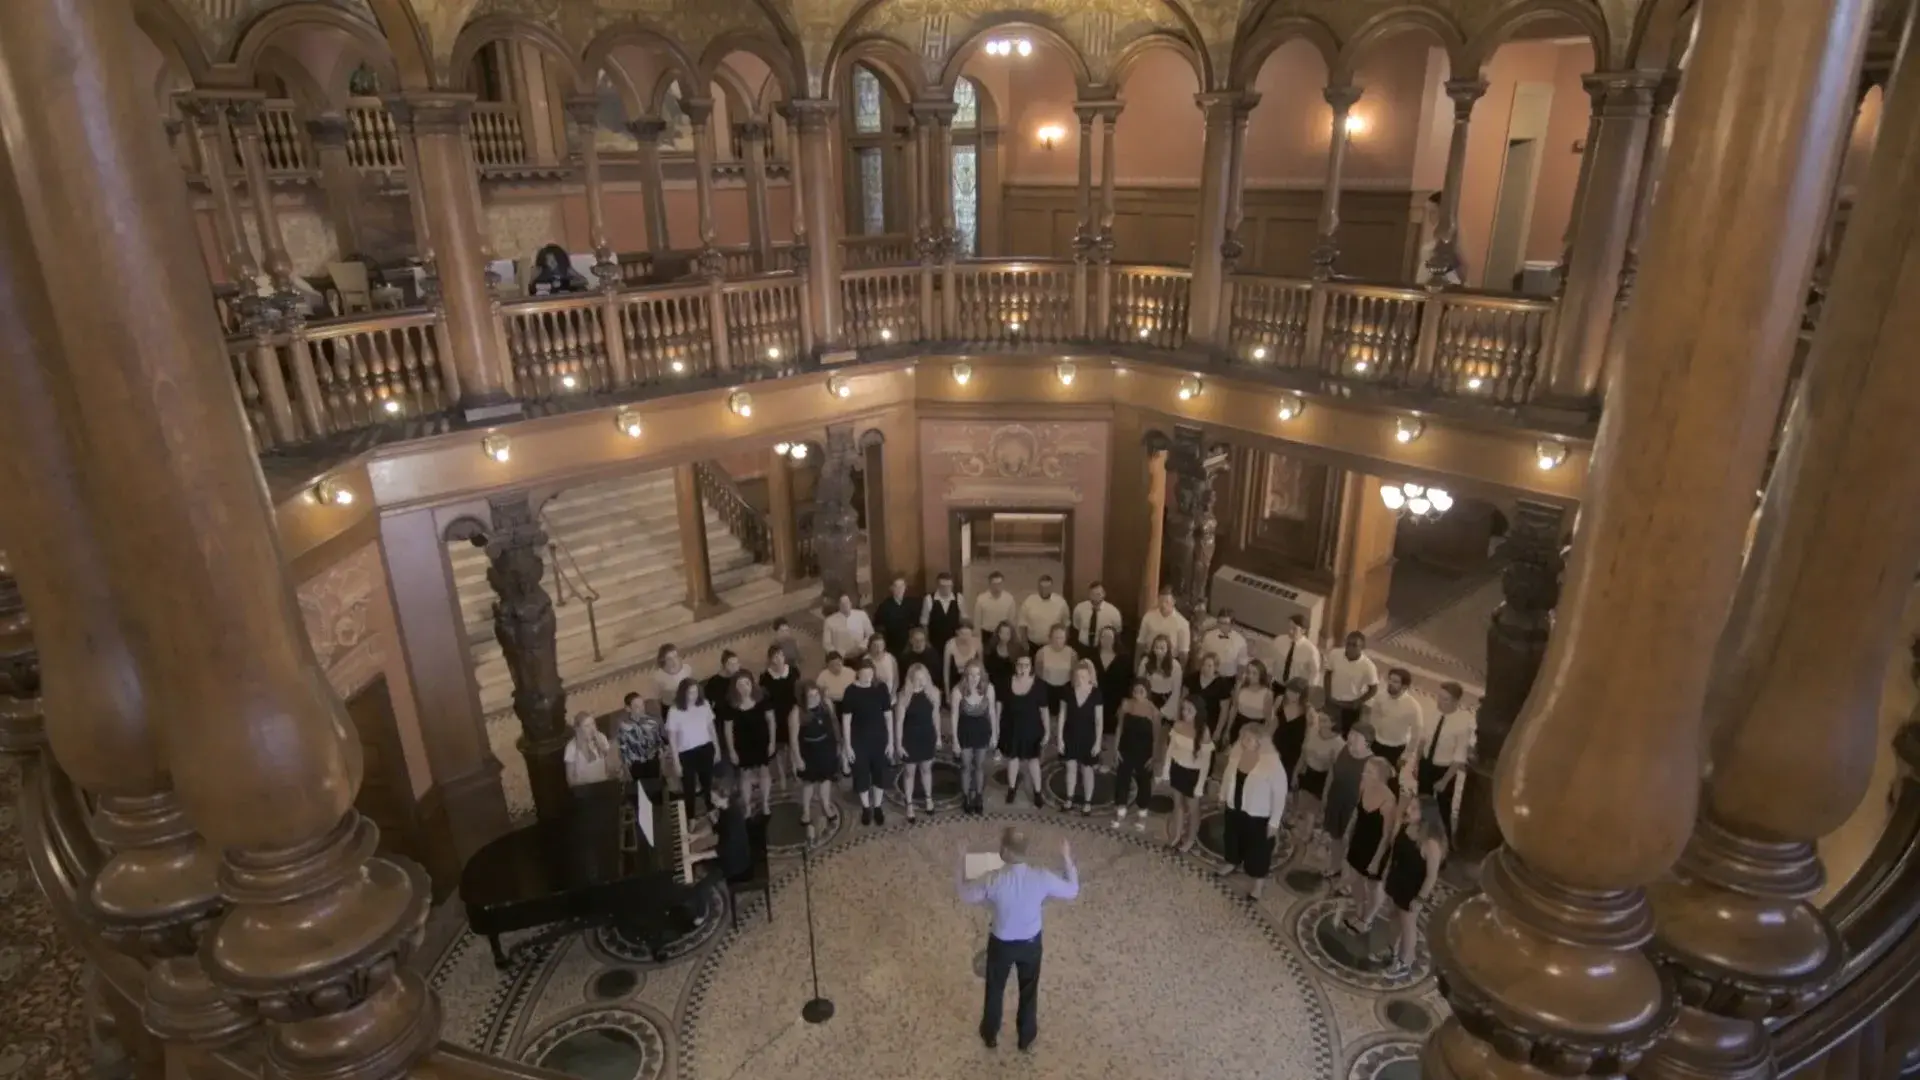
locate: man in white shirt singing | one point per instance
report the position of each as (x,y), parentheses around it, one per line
(1225,643)
(1351,681)
(1041,612)
(1396,717)
(848,629)
(1446,749)
(993,607)
(1166,619)
(1296,655)
(1017,893)
(1094,614)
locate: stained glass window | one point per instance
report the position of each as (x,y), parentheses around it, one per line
(966,197)
(966,105)
(873,192)
(866,101)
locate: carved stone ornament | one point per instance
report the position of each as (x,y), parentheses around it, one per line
(710,263)
(836,531)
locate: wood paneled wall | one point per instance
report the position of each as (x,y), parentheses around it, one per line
(1379,230)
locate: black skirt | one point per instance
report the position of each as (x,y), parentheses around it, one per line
(1182,779)
(1313,781)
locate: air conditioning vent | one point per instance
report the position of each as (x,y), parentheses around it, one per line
(1263,604)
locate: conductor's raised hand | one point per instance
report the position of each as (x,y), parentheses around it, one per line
(1066,851)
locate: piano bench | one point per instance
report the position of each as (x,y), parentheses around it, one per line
(761,881)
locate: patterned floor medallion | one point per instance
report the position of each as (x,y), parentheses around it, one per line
(1359,960)
(619,948)
(787,834)
(946,788)
(602,1044)
(1395,1060)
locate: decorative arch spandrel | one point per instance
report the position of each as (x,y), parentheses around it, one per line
(219,24)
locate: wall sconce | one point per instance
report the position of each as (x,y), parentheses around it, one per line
(886,334)
(741,403)
(496,447)
(1408,428)
(962,372)
(1356,124)
(1259,352)
(392,406)
(568,382)
(839,387)
(628,422)
(1190,388)
(332,493)
(1050,135)
(797,451)
(782,449)
(679,367)
(773,352)
(1292,405)
(1550,454)
(1065,373)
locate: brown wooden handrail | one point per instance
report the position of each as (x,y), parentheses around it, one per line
(748,525)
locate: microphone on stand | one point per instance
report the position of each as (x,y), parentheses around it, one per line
(818,1009)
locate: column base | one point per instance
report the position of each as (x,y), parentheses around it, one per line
(487,412)
(708,609)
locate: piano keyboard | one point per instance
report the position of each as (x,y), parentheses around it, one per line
(682,842)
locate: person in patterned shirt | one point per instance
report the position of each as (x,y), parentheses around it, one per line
(641,739)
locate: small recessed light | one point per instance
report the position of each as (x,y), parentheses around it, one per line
(740,402)
(1549,454)
(569,381)
(839,387)
(1146,331)
(962,372)
(1013,326)
(1408,428)
(628,421)
(1291,405)
(1360,365)
(496,447)
(678,367)
(1475,383)
(1259,352)
(333,493)
(773,352)
(392,407)
(799,451)
(1065,373)
(1023,47)
(886,334)
(782,448)
(1190,388)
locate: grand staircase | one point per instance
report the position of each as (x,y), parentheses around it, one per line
(619,541)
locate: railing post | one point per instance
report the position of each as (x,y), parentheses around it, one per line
(273,386)
(806,312)
(717,322)
(1103,240)
(1428,344)
(1317,301)
(243,117)
(613,328)
(1083,236)
(313,408)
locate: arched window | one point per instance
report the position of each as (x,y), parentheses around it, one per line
(965,166)
(866,101)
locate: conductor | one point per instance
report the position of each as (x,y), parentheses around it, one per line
(1017,892)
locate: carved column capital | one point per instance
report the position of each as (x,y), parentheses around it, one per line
(1217,103)
(1341,98)
(811,116)
(1464,93)
(583,111)
(244,114)
(752,131)
(697,110)
(1624,94)
(431,114)
(647,129)
(933,113)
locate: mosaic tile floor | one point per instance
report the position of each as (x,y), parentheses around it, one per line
(43,1029)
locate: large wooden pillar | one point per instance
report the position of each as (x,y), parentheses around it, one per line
(692,515)
(1444,261)
(780,516)
(836,527)
(754,134)
(1544,969)
(1216,167)
(813,120)
(523,624)
(1364,533)
(708,263)
(1156,522)
(1792,715)
(1102,321)
(207,115)
(339,180)
(320,932)
(1084,236)
(244,116)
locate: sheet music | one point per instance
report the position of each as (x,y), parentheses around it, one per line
(643,812)
(980,864)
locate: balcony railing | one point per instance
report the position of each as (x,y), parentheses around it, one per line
(373,139)
(283,139)
(888,249)
(342,375)
(497,139)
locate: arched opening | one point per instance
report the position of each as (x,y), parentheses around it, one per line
(1026,157)
(1157,149)
(877,127)
(522,81)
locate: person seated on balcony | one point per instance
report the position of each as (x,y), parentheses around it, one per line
(896,615)
(1424,276)
(553,273)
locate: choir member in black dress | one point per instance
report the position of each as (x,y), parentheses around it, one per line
(1138,721)
(895,615)
(1023,727)
(866,730)
(1206,682)
(780,686)
(1113,671)
(1292,716)
(941,613)
(814,743)
(920,651)
(1077,738)
(720,683)
(1413,869)
(746,727)
(962,651)
(916,731)
(1001,651)
(1367,841)
(976,728)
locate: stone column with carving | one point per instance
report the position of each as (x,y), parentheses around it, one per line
(1083,231)
(1326,250)
(1598,784)
(836,525)
(339,180)
(753,134)
(691,512)
(583,116)
(208,116)
(1192,523)
(1103,239)
(1156,448)
(648,131)
(709,263)
(1231,247)
(1516,645)
(319,932)
(1598,230)
(1443,262)
(781,520)
(1792,716)
(243,116)
(523,624)
(1216,167)
(813,120)
(435,128)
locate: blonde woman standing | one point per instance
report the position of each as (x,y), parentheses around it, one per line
(916,731)
(1078,737)
(976,728)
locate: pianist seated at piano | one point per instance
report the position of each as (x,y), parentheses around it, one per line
(735,835)
(590,758)
(640,737)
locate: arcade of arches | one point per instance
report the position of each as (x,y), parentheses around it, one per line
(384,383)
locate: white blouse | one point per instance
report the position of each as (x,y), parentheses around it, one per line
(1181,751)
(690,729)
(1265,792)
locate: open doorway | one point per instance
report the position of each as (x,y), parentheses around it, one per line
(1519,180)
(1021,544)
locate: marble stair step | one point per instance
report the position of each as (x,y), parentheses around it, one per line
(626,541)
(650,592)
(638,569)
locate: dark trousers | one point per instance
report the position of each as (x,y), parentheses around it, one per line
(1345,715)
(1134,775)
(1002,958)
(696,774)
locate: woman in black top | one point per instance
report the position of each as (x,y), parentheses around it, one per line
(976,727)
(553,272)
(1113,673)
(1206,683)
(720,683)
(941,615)
(1413,869)
(1023,727)
(1138,720)
(916,730)
(815,753)
(746,727)
(1078,737)
(1001,652)
(866,730)
(780,687)
(920,651)
(1291,717)
(1367,842)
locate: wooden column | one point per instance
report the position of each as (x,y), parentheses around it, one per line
(648,130)
(1516,645)
(1103,242)
(1362,557)
(208,116)
(923,216)
(157,888)
(692,515)
(991,193)
(435,127)
(1444,261)
(320,932)
(813,120)
(1203,310)
(1792,714)
(243,116)
(786,557)
(1083,232)
(709,263)
(1326,252)
(339,180)
(583,116)
(523,624)
(1543,969)
(1230,246)
(1653,164)
(753,135)
(1156,521)
(1603,218)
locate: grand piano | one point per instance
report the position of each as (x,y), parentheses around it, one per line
(586,869)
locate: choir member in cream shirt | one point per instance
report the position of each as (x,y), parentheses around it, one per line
(1043,611)
(994,606)
(848,629)
(1166,619)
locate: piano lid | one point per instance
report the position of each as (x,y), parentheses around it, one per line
(546,858)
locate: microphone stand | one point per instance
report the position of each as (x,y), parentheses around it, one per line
(817,1010)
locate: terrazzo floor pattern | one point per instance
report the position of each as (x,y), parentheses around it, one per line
(1159,969)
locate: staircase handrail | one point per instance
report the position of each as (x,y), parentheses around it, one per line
(570,579)
(748,525)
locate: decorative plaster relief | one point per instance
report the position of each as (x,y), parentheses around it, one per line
(1013,463)
(336,605)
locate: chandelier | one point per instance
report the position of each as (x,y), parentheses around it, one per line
(1415,501)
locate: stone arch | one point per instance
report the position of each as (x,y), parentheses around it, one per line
(632,103)
(778,61)
(1165,40)
(174,36)
(1398,20)
(989,109)
(647,36)
(742,100)
(466,528)
(1659,36)
(1576,13)
(264,32)
(1251,51)
(308,92)
(488,29)
(897,65)
(1030,25)
(407,44)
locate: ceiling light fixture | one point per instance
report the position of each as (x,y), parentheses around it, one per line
(1190,388)
(1416,501)
(1013,326)
(740,402)
(1146,331)
(773,352)
(497,447)
(569,382)
(679,367)
(1291,405)
(1259,352)
(1408,428)
(799,451)
(783,448)
(962,372)
(1065,373)
(628,421)
(1475,383)
(886,334)
(1549,454)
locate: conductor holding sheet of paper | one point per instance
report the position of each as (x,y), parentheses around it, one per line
(1016,891)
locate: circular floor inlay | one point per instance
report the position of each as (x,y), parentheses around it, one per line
(1359,960)
(1304,881)
(615,983)
(787,834)
(1396,1060)
(899,956)
(605,1044)
(1054,779)
(622,947)
(1408,1016)
(946,787)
